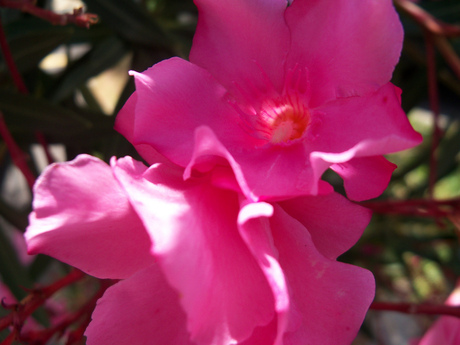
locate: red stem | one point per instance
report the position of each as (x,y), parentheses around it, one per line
(10,338)
(42,336)
(426,20)
(34,300)
(42,141)
(77,17)
(411,308)
(19,157)
(434,104)
(21,86)
(424,208)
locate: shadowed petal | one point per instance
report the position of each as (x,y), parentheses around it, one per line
(261,173)
(334,223)
(141,310)
(124,124)
(365,177)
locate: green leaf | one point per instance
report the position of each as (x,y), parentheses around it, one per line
(130,21)
(97,60)
(28,46)
(25,114)
(14,275)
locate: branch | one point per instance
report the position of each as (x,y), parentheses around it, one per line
(19,157)
(423,208)
(83,314)
(411,308)
(426,20)
(22,310)
(5,47)
(77,17)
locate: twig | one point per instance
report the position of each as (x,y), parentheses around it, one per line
(19,157)
(10,338)
(426,20)
(42,336)
(434,104)
(17,79)
(35,299)
(411,308)
(423,208)
(77,17)
(449,54)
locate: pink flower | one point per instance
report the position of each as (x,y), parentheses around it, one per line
(446,330)
(280,94)
(201,264)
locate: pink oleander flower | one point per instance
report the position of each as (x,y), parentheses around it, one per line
(446,330)
(200,264)
(280,93)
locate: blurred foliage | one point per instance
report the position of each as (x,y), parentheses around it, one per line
(413,258)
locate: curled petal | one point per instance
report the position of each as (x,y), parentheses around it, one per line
(77,207)
(255,230)
(125,124)
(276,182)
(173,98)
(196,241)
(365,177)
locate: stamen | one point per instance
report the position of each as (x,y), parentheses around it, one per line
(282,117)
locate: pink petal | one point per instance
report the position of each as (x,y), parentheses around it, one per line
(255,230)
(334,223)
(263,335)
(446,330)
(141,310)
(193,227)
(350,47)
(371,125)
(365,177)
(329,299)
(360,127)
(78,206)
(173,98)
(124,124)
(242,41)
(274,183)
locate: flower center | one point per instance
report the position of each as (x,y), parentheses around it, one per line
(285,123)
(280,117)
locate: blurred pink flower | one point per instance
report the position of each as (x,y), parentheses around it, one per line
(280,93)
(200,264)
(446,330)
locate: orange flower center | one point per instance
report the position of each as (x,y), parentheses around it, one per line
(283,123)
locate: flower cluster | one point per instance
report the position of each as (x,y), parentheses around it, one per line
(230,236)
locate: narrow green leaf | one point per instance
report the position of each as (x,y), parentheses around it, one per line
(26,114)
(130,21)
(14,275)
(97,60)
(31,40)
